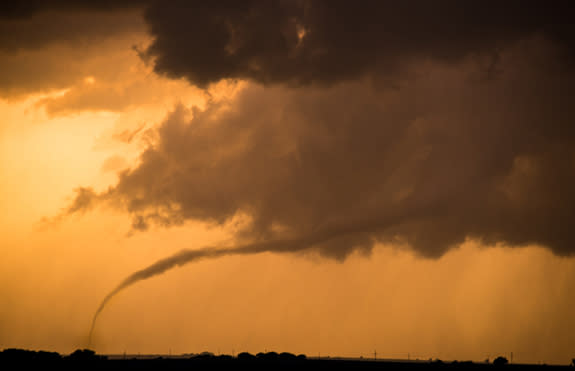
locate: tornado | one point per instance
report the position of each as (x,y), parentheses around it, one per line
(329,231)
(187,256)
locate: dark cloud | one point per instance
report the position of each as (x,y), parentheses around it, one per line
(53,47)
(323,41)
(451,153)
(70,28)
(293,42)
(28,8)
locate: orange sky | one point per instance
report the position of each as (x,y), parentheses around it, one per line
(474,302)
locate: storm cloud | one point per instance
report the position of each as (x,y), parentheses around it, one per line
(325,41)
(289,42)
(51,45)
(37,24)
(449,153)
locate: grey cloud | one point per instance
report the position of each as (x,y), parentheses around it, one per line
(325,41)
(62,65)
(293,42)
(49,45)
(447,155)
(75,28)
(26,9)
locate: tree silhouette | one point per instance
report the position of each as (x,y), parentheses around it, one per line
(246,356)
(500,361)
(85,355)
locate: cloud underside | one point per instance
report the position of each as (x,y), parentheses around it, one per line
(450,152)
(417,123)
(326,41)
(289,42)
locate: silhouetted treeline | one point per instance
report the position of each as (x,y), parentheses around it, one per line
(86,359)
(22,355)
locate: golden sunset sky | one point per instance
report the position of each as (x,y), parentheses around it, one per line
(412,190)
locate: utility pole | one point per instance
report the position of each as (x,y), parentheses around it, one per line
(375,354)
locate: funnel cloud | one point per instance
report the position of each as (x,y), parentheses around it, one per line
(187,256)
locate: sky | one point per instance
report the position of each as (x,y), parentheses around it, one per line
(315,177)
